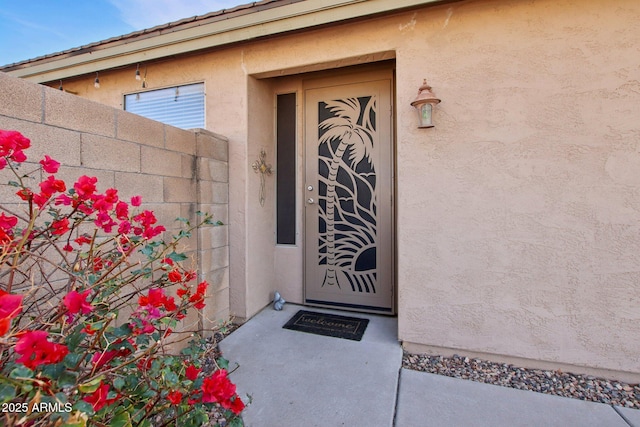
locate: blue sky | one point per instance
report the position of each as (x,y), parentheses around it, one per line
(32,28)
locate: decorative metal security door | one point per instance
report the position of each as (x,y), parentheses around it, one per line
(348,213)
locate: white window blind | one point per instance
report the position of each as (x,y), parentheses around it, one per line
(180,106)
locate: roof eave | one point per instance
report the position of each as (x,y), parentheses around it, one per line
(261,23)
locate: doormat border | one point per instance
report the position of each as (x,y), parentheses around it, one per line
(354,331)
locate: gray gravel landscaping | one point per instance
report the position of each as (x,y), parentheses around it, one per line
(560,383)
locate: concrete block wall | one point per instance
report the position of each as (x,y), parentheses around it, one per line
(177,172)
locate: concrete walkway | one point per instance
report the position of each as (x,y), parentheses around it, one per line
(299,379)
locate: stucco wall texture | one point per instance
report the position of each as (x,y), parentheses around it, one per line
(517,216)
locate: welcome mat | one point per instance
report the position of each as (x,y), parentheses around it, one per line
(330,325)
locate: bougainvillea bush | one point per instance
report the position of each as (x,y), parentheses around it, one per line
(91,291)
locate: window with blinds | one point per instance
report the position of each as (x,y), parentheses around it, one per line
(179,106)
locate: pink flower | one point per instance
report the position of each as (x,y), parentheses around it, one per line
(136,201)
(49,165)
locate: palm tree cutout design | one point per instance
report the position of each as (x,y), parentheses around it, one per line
(346,190)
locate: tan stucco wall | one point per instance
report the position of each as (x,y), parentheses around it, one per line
(176,172)
(518,231)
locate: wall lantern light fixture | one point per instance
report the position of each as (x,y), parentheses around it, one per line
(424,103)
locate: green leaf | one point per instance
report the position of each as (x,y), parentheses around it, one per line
(119,383)
(7,393)
(147,250)
(68,379)
(71,360)
(14,183)
(177,257)
(223,363)
(123,419)
(91,386)
(74,339)
(170,377)
(21,372)
(123,330)
(53,371)
(236,422)
(83,406)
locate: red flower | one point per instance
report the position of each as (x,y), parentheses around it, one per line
(154,298)
(7,222)
(104,221)
(3,163)
(76,302)
(25,194)
(169,304)
(35,349)
(151,232)
(124,227)
(145,218)
(237,405)
(174,276)
(192,372)
(88,329)
(59,227)
(144,364)
(122,210)
(83,239)
(52,185)
(41,199)
(218,388)
(85,186)
(63,199)
(18,156)
(175,397)
(10,307)
(101,359)
(104,202)
(198,297)
(12,140)
(136,201)
(49,165)
(98,399)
